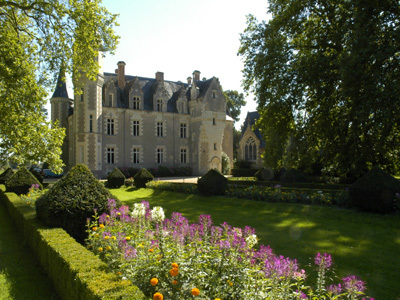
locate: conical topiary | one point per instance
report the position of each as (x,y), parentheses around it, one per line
(375,191)
(212,183)
(21,182)
(116,178)
(72,200)
(6,175)
(142,177)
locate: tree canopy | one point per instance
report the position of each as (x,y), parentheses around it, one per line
(38,38)
(326,77)
(234,103)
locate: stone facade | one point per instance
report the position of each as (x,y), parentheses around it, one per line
(130,121)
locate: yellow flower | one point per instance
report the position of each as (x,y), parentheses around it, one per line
(151,250)
(128,238)
(100,249)
(153,281)
(158,296)
(113,238)
(108,248)
(94,228)
(119,273)
(195,292)
(174,272)
(230,282)
(175,265)
(101,225)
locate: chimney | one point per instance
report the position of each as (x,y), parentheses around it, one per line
(189,80)
(121,74)
(196,75)
(160,76)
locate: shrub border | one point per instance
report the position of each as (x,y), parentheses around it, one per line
(76,273)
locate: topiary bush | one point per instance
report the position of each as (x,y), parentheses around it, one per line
(142,177)
(6,175)
(264,174)
(72,200)
(21,182)
(375,192)
(212,183)
(35,173)
(116,178)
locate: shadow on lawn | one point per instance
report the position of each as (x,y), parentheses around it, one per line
(21,275)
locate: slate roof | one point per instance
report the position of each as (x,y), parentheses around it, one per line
(61,87)
(250,120)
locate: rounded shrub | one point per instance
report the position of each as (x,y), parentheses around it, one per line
(264,174)
(375,191)
(116,178)
(6,175)
(142,177)
(212,183)
(21,182)
(72,200)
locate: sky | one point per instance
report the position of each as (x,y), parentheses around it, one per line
(177,37)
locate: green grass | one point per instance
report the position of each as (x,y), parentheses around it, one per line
(21,276)
(367,245)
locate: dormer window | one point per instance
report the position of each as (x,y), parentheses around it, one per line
(110,100)
(136,103)
(159,105)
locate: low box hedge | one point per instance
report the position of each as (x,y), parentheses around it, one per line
(77,274)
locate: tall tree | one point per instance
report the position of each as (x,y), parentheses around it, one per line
(37,38)
(326,77)
(234,103)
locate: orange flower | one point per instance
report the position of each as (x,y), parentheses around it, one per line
(94,228)
(158,296)
(119,273)
(195,292)
(175,265)
(101,225)
(151,250)
(100,249)
(153,281)
(174,272)
(174,282)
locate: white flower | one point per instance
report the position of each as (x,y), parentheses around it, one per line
(251,240)
(139,210)
(157,214)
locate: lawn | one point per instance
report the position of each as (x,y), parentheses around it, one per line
(21,276)
(363,244)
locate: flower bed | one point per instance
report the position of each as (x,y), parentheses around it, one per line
(172,259)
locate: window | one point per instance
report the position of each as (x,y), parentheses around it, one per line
(110,155)
(160,129)
(159,105)
(110,100)
(160,155)
(183,131)
(250,149)
(136,153)
(183,156)
(215,146)
(214,95)
(214,123)
(136,103)
(135,130)
(183,107)
(82,94)
(91,123)
(110,126)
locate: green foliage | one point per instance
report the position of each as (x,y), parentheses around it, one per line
(293,175)
(239,172)
(375,191)
(234,103)
(21,182)
(115,179)
(38,176)
(264,174)
(39,38)
(242,164)
(212,183)
(325,75)
(226,164)
(142,177)
(72,200)
(6,175)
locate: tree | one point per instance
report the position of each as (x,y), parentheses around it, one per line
(38,38)
(326,78)
(234,103)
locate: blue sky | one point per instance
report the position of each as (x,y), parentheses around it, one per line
(179,36)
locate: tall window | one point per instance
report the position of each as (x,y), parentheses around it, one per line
(160,155)
(136,154)
(160,132)
(214,123)
(110,100)
(135,131)
(136,103)
(82,94)
(250,149)
(90,123)
(110,155)
(110,126)
(183,156)
(215,146)
(183,131)
(159,105)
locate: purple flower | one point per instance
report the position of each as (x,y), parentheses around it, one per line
(280,267)
(206,221)
(335,289)
(130,253)
(353,284)
(224,245)
(111,204)
(302,295)
(324,261)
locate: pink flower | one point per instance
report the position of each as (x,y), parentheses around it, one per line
(353,284)
(324,261)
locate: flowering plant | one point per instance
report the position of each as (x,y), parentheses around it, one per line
(33,194)
(172,259)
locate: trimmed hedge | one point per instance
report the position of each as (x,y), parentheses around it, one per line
(212,183)
(116,178)
(142,177)
(21,182)
(75,271)
(243,172)
(6,175)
